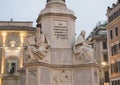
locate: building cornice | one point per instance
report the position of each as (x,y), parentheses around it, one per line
(20,28)
(113,22)
(16,21)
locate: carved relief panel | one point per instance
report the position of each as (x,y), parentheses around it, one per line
(62,77)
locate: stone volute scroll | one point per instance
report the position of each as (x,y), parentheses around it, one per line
(83,51)
(37,46)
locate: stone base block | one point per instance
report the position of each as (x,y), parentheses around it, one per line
(38,73)
(86,76)
(10,79)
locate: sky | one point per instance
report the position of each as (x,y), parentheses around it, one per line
(88,12)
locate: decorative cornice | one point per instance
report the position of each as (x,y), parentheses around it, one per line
(10,76)
(55,14)
(60,66)
(22,28)
(114,5)
(113,22)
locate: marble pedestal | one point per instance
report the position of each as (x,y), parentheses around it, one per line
(38,73)
(22,76)
(35,72)
(86,74)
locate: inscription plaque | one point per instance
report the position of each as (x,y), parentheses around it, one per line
(60,30)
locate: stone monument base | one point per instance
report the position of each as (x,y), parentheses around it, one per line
(9,79)
(38,73)
(86,74)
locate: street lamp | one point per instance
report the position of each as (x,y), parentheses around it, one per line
(103,63)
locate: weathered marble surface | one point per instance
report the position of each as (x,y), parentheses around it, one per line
(45,76)
(62,76)
(37,46)
(65,66)
(84,53)
(32,76)
(48,74)
(10,79)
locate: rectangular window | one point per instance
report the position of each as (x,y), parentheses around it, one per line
(119,66)
(117,13)
(113,83)
(116,83)
(112,52)
(116,67)
(111,35)
(104,45)
(109,18)
(116,31)
(119,46)
(115,49)
(112,68)
(106,76)
(105,56)
(11,67)
(112,17)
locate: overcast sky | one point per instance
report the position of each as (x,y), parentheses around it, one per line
(88,12)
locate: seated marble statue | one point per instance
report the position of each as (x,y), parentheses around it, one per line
(83,50)
(37,46)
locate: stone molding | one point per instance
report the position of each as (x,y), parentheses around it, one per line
(17,28)
(60,66)
(55,14)
(11,76)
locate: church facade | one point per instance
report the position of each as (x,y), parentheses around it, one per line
(12,47)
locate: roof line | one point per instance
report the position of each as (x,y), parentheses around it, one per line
(17,21)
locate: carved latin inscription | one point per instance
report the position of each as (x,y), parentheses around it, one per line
(60,30)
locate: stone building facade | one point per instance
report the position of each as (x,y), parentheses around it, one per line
(113,29)
(99,43)
(12,50)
